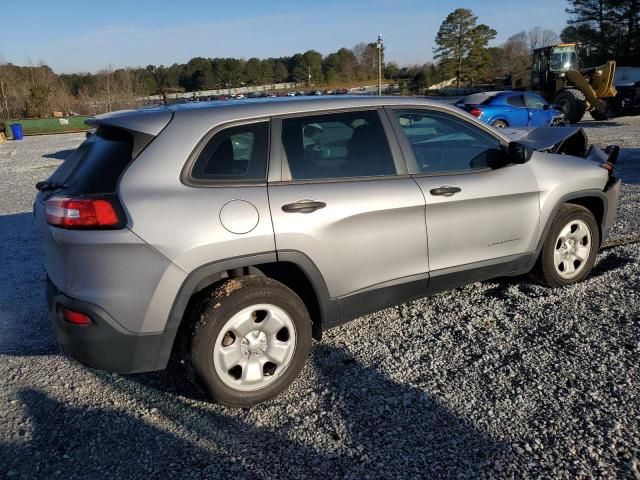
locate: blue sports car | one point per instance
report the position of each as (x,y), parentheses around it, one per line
(511,109)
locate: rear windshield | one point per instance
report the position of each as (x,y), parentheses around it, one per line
(96,165)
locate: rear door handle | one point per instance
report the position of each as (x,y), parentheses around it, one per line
(445,191)
(303,206)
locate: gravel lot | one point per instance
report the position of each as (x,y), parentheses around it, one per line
(498,379)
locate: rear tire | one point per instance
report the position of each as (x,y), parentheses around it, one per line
(572,102)
(499,124)
(250,340)
(570,249)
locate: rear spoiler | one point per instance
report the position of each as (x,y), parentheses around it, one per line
(143,125)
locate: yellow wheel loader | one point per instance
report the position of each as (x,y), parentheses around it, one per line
(557,76)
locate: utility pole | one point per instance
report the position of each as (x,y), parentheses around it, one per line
(379,46)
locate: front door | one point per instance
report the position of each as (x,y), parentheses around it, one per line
(538,115)
(474,213)
(347,205)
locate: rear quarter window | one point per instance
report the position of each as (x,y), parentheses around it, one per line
(516,101)
(234,154)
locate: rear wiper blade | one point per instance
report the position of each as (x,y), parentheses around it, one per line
(46,185)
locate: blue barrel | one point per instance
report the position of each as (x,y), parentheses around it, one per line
(16,130)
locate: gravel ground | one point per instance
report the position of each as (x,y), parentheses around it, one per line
(501,379)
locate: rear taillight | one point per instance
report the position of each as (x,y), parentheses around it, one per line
(69,212)
(73,316)
(476,112)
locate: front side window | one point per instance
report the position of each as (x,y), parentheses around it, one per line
(534,101)
(442,143)
(235,154)
(339,145)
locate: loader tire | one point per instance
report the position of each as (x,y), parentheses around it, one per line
(572,103)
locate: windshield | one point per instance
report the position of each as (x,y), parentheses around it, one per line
(563,59)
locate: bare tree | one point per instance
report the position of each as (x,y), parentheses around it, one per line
(515,55)
(538,38)
(4,104)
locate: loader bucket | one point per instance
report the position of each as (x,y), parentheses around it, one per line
(601,85)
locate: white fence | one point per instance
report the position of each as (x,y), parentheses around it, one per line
(226,91)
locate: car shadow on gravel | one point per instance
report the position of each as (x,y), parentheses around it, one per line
(364,424)
(24,323)
(605,262)
(59,155)
(599,124)
(91,443)
(608,262)
(500,286)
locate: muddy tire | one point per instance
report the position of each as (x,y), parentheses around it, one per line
(250,340)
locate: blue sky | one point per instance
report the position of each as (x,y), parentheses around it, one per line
(87,35)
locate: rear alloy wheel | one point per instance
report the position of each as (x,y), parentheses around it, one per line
(250,341)
(499,124)
(570,249)
(254,347)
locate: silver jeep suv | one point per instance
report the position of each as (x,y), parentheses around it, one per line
(244,229)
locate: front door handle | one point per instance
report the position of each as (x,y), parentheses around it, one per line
(445,191)
(303,206)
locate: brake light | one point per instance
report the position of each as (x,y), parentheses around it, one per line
(475,111)
(73,316)
(68,212)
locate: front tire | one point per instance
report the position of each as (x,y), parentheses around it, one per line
(570,249)
(572,102)
(250,341)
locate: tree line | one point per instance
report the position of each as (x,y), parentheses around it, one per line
(608,29)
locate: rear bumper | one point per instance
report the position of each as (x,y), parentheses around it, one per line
(105,345)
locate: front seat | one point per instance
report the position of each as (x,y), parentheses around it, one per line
(368,153)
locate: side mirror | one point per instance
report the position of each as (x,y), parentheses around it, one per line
(518,153)
(546,106)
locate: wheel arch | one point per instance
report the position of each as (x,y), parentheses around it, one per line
(596,205)
(593,200)
(292,268)
(499,117)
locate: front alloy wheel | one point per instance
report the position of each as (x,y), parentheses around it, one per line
(569,250)
(573,247)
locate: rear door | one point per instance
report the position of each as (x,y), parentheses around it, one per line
(538,116)
(474,213)
(517,113)
(346,201)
